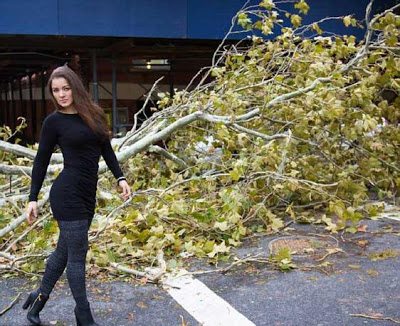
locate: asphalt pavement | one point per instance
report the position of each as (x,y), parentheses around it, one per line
(342,279)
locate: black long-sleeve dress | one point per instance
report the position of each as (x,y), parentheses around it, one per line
(73,193)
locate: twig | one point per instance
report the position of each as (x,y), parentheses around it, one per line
(17,128)
(112,213)
(12,268)
(157,149)
(12,203)
(376,318)
(131,132)
(330,252)
(8,185)
(281,168)
(10,305)
(26,232)
(258,134)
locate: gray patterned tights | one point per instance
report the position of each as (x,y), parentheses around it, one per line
(70,253)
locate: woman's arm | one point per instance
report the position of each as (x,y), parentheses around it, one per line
(111,160)
(47,142)
(48,139)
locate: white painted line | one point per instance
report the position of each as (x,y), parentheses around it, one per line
(203,304)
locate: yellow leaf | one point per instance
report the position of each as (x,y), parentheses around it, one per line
(347,20)
(234,175)
(352,266)
(276,224)
(142,305)
(289,210)
(221,248)
(223,226)
(268,4)
(296,20)
(302,6)
(317,28)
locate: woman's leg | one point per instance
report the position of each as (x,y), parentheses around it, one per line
(76,235)
(55,266)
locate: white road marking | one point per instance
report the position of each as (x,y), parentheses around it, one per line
(203,304)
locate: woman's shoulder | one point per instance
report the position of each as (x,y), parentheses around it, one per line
(51,121)
(53,117)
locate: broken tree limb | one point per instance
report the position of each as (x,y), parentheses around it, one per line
(15,169)
(26,232)
(148,140)
(151,274)
(20,219)
(13,199)
(23,151)
(26,170)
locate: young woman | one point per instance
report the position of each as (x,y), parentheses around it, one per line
(79,127)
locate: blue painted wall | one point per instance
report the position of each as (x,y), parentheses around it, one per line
(191,19)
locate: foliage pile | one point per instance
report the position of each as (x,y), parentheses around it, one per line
(291,128)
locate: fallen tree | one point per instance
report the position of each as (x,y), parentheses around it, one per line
(298,127)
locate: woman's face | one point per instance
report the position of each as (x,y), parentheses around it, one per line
(62,92)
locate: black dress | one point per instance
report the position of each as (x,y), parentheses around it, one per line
(73,193)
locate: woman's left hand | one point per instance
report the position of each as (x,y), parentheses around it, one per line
(126,191)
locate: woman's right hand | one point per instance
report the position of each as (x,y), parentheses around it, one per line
(31,212)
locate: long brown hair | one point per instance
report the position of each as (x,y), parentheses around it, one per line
(90,112)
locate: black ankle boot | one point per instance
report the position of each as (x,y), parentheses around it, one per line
(35,302)
(84,317)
